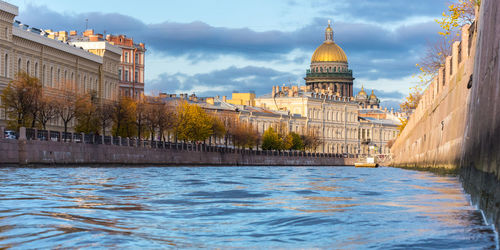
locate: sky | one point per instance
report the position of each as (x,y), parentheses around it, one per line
(210,47)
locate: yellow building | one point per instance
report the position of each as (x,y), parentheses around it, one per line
(242,99)
(58,65)
(328,105)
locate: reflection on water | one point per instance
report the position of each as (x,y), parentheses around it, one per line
(224,207)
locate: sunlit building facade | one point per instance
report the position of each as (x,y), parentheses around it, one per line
(58,64)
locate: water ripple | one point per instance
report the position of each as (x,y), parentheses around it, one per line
(236,207)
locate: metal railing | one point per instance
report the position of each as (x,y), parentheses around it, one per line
(68,137)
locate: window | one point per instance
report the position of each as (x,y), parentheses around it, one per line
(136,76)
(119,74)
(19,65)
(51,77)
(6,66)
(126,57)
(58,77)
(43,75)
(126,75)
(28,67)
(36,69)
(137,58)
(6,32)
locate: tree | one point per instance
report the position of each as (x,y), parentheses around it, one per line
(297,143)
(411,101)
(140,117)
(20,98)
(86,114)
(270,140)
(219,130)
(47,110)
(311,140)
(105,113)
(244,135)
(402,126)
(124,118)
(65,106)
(460,13)
(193,123)
(434,58)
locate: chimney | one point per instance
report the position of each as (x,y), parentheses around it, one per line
(93,38)
(274,91)
(88,32)
(224,98)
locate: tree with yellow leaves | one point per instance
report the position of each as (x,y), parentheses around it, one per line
(412,100)
(459,14)
(402,126)
(194,124)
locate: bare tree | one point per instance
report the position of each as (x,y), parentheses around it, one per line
(105,112)
(65,106)
(47,110)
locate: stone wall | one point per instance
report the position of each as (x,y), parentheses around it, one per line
(480,164)
(433,135)
(34,153)
(458,125)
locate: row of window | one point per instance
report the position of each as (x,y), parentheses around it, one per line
(58,80)
(126,77)
(126,59)
(331,115)
(328,69)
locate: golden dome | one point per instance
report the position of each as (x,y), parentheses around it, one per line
(362,91)
(373,96)
(329,52)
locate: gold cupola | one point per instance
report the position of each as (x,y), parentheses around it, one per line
(329,51)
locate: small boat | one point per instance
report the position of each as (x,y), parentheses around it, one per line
(369,163)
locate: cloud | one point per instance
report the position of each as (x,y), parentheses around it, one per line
(223,82)
(373,51)
(381,10)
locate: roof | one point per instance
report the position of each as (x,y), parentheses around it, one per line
(380,121)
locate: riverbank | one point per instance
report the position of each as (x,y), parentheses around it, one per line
(54,153)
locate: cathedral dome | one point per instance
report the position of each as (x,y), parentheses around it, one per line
(329,51)
(362,92)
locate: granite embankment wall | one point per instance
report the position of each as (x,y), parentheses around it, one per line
(434,133)
(458,126)
(480,163)
(43,153)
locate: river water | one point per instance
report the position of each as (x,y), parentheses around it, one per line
(236,207)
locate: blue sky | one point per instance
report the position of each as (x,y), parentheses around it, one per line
(217,47)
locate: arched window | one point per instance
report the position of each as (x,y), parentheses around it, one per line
(43,75)
(36,69)
(65,79)
(51,77)
(58,78)
(91,85)
(321,69)
(85,84)
(28,67)
(6,66)
(19,65)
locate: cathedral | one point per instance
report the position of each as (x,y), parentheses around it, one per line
(326,105)
(329,68)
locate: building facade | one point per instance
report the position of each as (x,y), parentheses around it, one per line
(328,107)
(131,70)
(60,66)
